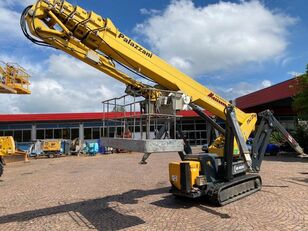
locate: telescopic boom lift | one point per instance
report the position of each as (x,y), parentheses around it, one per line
(13,80)
(224,175)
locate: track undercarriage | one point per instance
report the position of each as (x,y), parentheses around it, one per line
(219,191)
(240,187)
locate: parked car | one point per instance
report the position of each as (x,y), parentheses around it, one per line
(271,149)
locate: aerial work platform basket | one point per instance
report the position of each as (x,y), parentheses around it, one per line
(14,79)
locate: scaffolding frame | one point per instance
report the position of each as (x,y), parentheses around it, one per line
(138,119)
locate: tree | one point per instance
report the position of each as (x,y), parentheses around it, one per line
(300,103)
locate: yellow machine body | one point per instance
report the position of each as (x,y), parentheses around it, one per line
(175,173)
(7,145)
(51,145)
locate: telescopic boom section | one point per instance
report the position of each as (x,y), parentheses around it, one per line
(96,41)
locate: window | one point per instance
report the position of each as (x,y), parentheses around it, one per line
(26,134)
(187,121)
(201,126)
(8,133)
(49,134)
(40,134)
(58,133)
(75,133)
(191,135)
(67,133)
(96,133)
(119,131)
(111,131)
(88,133)
(18,135)
(137,128)
(104,132)
(187,127)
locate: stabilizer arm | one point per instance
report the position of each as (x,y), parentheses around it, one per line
(265,129)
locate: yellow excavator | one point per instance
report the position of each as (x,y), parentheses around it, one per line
(13,80)
(229,171)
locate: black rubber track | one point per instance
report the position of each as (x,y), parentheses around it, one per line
(236,189)
(1,169)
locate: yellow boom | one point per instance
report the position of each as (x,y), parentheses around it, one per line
(96,41)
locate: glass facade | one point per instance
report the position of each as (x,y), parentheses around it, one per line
(193,128)
(19,135)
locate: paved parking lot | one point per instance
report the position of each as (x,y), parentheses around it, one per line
(114,193)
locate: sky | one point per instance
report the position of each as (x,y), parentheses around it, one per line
(232,47)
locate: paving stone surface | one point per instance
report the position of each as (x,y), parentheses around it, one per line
(114,192)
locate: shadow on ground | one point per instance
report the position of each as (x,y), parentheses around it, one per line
(98,212)
(201,203)
(298,180)
(303,181)
(275,186)
(101,215)
(287,158)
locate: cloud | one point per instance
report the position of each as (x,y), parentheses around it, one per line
(216,37)
(9,21)
(266,83)
(239,89)
(149,12)
(62,84)
(294,73)
(10,12)
(12,3)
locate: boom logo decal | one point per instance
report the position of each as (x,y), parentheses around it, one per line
(251,118)
(135,45)
(217,99)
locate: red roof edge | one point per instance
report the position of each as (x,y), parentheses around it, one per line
(5,118)
(270,94)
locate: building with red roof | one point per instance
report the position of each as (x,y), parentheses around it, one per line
(277,98)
